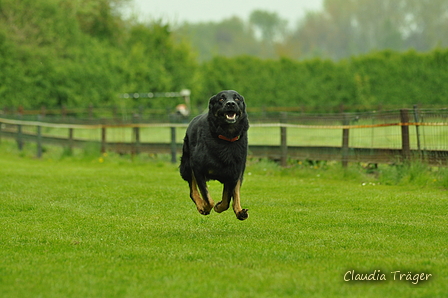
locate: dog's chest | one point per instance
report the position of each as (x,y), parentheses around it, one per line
(224,173)
(225,162)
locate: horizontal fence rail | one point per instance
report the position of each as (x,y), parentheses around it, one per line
(342,137)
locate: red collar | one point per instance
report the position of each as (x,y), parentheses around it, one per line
(229,140)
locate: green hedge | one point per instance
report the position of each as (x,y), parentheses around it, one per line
(81,53)
(380,78)
(57,53)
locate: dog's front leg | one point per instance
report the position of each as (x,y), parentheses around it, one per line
(204,204)
(240,213)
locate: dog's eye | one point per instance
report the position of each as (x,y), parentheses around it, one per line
(237,99)
(221,99)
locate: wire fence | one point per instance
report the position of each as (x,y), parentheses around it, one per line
(371,137)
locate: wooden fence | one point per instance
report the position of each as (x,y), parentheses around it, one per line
(282,151)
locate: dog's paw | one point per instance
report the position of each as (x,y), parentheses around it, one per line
(217,207)
(220,207)
(206,209)
(204,212)
(242,215)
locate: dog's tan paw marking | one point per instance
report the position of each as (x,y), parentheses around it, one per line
(219,207)
(204,212)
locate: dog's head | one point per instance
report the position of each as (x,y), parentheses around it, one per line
(227,106)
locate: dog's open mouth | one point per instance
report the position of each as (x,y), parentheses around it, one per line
(231,116)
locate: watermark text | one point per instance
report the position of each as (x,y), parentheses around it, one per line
(377,275)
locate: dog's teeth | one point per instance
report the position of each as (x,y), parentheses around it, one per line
(230,116)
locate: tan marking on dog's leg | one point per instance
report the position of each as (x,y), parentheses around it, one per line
(225,202)
(203,206)
(207,199)
(241,214)
(194,193)
(196,197)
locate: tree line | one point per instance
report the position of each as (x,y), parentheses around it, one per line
(384,78)
(343,28)
(57,53)
(76,53)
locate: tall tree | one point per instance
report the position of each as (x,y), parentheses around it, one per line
(311,38)
(352,27)
(230,37)
(270,24)
(425,24)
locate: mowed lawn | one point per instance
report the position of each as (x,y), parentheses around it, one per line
(115,228)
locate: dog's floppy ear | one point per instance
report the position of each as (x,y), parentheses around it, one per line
(243,102)
(211,102)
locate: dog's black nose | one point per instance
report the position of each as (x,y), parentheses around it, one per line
(230,104)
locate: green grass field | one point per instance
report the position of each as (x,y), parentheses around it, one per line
(111,227)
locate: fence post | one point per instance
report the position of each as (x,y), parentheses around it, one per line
(39,141)
(137,139)
(283,141)
(284,146)
(70,140)
(19,135)
(405,144)
(417,120)
(173,145)
(345,141)
(103,139)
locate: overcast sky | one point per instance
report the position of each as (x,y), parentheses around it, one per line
(194,11)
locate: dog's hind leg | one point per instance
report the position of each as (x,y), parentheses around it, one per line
(241,214)
(204,204)
(227,193)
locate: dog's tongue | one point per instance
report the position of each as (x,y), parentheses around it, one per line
(230,116)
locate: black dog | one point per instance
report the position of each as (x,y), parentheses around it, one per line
(215,148)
